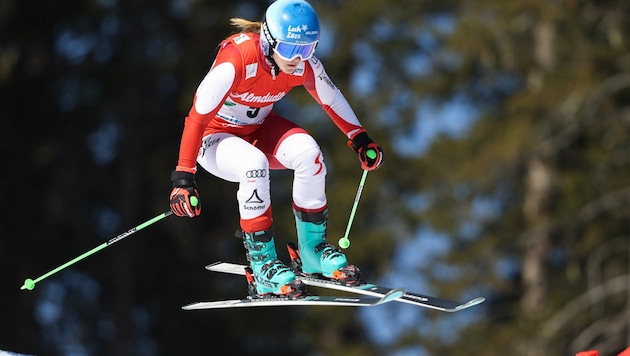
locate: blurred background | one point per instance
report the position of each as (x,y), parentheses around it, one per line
(505,126)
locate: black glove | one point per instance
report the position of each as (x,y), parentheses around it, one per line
(370,153)
(184,196)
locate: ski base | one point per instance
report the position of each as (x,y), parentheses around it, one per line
(276,301)
(367,289)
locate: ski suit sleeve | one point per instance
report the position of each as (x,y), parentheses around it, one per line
(210,95)
(319,85)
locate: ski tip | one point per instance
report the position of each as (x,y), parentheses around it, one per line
(469,304)
(393,295)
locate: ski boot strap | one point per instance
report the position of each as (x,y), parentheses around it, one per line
(316,218)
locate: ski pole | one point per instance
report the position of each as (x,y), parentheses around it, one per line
(344,242)
(30,284)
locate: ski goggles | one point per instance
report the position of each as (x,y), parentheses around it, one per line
(290,51)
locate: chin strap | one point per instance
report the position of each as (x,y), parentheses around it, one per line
(268,38)
(275,69)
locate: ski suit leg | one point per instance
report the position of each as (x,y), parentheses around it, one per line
(236,160)
(289,146)
(293,148)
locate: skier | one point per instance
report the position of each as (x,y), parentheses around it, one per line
(232,132)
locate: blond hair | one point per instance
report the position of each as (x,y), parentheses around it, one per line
(243,25)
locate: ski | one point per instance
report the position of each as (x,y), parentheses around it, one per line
(364,288)
(276,301)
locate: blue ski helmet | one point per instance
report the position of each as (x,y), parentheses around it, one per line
(290,29)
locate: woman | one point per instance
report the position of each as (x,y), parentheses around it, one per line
(232,132)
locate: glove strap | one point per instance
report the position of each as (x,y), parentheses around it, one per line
(361,140)
(183,179)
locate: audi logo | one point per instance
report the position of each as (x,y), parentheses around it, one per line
(256,173)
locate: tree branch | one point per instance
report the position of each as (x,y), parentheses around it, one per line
(585,300)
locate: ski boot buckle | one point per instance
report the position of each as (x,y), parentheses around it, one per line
(293,290)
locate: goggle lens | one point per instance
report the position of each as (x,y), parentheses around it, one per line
(290,51)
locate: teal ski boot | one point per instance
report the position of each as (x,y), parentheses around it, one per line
(270,275)
(314,255)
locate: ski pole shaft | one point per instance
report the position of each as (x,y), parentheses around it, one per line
(30,283)
(344,242)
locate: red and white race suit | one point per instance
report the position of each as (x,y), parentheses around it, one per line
(232,132)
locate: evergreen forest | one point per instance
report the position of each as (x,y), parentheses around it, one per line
(506,132)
